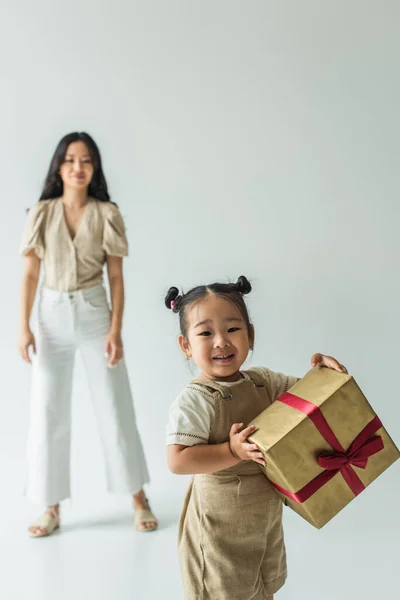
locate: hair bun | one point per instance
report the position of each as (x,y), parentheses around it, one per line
(173,299)
(243,285)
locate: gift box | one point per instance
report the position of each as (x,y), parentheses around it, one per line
(323,444)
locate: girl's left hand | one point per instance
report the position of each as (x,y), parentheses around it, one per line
(322,360)
(114,348)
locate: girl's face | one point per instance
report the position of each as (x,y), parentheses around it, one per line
(217,338)
(77,169)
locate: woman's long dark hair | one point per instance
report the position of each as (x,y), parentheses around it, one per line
(54,187)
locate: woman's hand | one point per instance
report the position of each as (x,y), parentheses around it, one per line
(114,348)
(26,340)
(321,360)
(241,448)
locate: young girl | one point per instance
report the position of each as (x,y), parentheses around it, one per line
(74,230)
(231,543)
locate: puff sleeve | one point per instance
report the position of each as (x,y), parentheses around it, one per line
(33,235)
(114,236)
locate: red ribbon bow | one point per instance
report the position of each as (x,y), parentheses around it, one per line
(339,460)
(357,455)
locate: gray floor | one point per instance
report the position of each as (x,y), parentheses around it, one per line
(98,555)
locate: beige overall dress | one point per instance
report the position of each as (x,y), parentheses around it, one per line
(231,543)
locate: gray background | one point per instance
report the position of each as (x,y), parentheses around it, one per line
(238,137)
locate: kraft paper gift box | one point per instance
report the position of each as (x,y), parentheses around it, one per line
(323,444)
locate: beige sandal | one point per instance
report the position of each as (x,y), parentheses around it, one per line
(50,521)
(145,515)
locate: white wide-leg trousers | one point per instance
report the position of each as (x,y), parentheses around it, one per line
(68,321)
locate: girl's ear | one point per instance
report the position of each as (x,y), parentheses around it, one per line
(251,337)
(185,346)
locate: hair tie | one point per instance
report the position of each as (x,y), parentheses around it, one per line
(172,304)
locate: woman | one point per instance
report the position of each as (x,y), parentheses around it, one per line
(75,229)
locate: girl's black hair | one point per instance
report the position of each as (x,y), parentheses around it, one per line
(54,187)
(233,292)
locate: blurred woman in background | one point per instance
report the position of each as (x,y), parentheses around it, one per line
(74,230)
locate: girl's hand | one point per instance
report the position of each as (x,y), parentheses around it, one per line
(241,448)
(322,360)
(26,340)
(114,348)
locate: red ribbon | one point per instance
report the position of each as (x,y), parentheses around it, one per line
(339,460)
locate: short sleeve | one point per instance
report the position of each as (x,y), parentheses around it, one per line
(191,418)
(33,235)
(278,383)
(114,236)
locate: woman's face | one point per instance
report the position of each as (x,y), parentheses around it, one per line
(77,169)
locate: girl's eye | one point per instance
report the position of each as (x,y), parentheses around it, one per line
(233,329)
(205,333)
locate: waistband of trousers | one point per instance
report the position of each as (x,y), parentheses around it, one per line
(84,293)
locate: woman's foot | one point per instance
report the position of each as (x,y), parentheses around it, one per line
(144,518)
(47,523)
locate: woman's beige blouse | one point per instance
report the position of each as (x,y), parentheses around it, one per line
(73,264)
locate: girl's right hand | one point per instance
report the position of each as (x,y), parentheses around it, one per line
(26,340)
(241,448)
